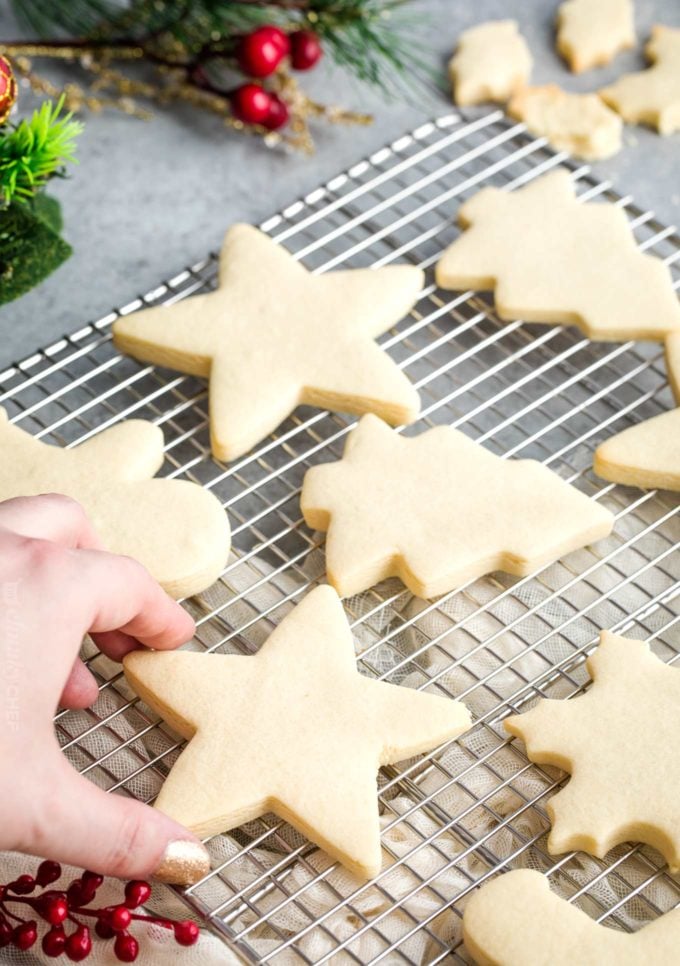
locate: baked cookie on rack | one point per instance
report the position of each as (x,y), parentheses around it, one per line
(178,530)
(295,730)
(590,33)
(578,123)
(492,61)
(615,741)
(577,264)
(275,336)
(646,455)
(438,510)
(651,96)
(673,364)
(516,920)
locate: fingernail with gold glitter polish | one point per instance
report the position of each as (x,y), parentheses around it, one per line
(183,863)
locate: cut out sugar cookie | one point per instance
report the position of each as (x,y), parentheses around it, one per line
(515,920)
(295,730)
(492,61)
(673,364)
(590,33)
(646,455)
(617,742)
(273,336)
(651,96)
(438,510)
(178,530)
(578,123)
(578,264)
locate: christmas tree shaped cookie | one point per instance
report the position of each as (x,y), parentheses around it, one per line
(673,364)
(438,510)
(651,96)
(618,741)
(295,730)
(515,920)
(491,63)
(577,264)
(273,336)
(178,530)
(646,455)
(590,33)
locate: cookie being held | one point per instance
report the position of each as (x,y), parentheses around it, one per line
(438,510)
(294,729)
(178,530)
(275,336)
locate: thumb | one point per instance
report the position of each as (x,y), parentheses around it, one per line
(82,825)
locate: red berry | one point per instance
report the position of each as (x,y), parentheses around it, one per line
(91,881)
(278,114)
(278,37)
(260,53)
(25,934)
(186,932)
(48,872)
(120,918)
(54,942)
(79,944)
(8,89)
(6,933)
(137,893)
(53,907)
(126,948)
(305,49)
(251,103)
(23,885)
(103,929)
(78,894)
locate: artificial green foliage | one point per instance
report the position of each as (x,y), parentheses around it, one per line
(35,150)
(30,245)
(376,39)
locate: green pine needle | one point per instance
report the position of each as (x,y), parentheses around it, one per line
(36,150)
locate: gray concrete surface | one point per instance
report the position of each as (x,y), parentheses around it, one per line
(149,198)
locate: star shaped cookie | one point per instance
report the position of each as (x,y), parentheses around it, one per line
(178,530)
(618,742)
(491,62)
(651,96)
(516,920)
(437,510)
(295,730)
(554,259)
(673,364)
(274,336)
(590,33)
(646,455)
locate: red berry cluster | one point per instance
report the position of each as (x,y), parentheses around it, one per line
(258,55)
(59,909)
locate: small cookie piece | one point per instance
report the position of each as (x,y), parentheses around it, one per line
(577,264)
(491,63)
(178,530)
(615,741)
(651,96)
(578,123)
(673,364)
(295,730)
(646,455)
(438,510)
(515,920)
(590,33)
(275,336)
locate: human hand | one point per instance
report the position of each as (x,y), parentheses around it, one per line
(56,585)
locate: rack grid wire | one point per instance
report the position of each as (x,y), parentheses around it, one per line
(455,817)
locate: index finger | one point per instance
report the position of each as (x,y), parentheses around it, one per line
(122,596)
(50,516)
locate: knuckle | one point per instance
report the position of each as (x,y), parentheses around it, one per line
(130,840)
(64,504)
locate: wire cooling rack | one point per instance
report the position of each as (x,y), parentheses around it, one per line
(453,818)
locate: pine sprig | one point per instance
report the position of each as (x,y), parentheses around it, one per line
(36,150)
